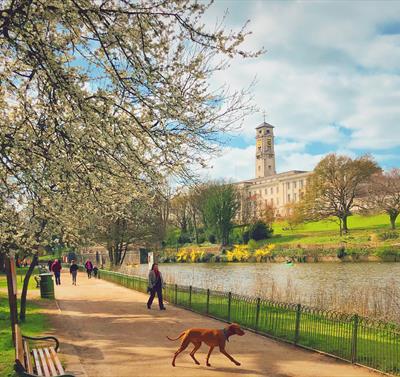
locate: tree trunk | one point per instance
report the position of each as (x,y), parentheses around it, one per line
(125,249)
(344,222)
(393,217)
(24,292)
(2,262)
(196,234)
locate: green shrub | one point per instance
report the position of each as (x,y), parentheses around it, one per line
(384,251)
(207,257)
(184,238)
(246,236)
(259,231)
(218,259)
(252,245)
(389,235)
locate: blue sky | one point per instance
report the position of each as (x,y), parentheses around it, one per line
(329,82)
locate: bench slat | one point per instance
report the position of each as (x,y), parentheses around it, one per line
(28,361)
(37,362)
(56,361)
(44,363)
(50,362)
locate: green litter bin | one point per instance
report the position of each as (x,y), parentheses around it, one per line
(46,286)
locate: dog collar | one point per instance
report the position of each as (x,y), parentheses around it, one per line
(225,334)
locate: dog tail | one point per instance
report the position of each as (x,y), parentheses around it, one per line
(180,336)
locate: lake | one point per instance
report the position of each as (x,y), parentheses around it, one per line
(343,286)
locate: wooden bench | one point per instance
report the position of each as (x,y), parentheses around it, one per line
(40,361)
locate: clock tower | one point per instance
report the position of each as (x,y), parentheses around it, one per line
(265,154)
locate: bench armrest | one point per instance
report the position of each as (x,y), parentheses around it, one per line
(44,338)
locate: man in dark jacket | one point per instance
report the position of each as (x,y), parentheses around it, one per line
(73,270)
(56,268)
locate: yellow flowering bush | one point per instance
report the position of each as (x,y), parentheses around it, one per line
(262,253)
(240,253)
(190,255)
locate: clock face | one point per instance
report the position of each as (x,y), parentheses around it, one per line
(269,142)
(259,143)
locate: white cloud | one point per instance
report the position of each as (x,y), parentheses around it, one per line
(237,164)
(326,64)
(232,164)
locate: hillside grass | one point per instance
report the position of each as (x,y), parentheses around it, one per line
(361,228)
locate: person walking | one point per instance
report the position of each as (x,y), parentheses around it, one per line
(95,271)
(56,268)
(156,284)
(89,268)
(73,270)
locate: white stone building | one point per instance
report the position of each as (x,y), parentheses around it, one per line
(268,187)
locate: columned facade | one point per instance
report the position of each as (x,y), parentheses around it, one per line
(269,188)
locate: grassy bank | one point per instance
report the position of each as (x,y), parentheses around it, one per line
(35,324)
(363,229)
(368,236)
(353,338)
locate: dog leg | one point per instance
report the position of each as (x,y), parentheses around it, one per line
(183,346)
(229,356)
(208,356)
(196,347)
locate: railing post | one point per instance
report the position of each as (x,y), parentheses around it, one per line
(176,294)
(229,305)
(208,301)
(190,296)
(297,328)
(257,313)
(354,339)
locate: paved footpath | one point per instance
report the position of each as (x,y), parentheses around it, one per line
(106,330)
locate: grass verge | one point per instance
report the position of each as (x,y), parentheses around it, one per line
(35,325)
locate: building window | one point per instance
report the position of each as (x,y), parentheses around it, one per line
(272,190)
(301,184)
(288,185)
(266,191)
(294,185)
(288,198)
(269,167)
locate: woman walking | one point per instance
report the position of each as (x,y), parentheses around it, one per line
(73,270)
(156,283)
(89,268)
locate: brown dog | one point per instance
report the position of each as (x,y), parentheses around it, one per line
(212,337)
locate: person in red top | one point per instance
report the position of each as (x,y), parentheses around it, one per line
(89,268)
(56,268)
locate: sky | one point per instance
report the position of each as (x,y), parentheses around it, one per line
(329,82)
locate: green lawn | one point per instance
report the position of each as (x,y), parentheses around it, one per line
(327,232)
(20,278)
(35,324)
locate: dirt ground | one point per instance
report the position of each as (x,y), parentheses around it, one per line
(107,330)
